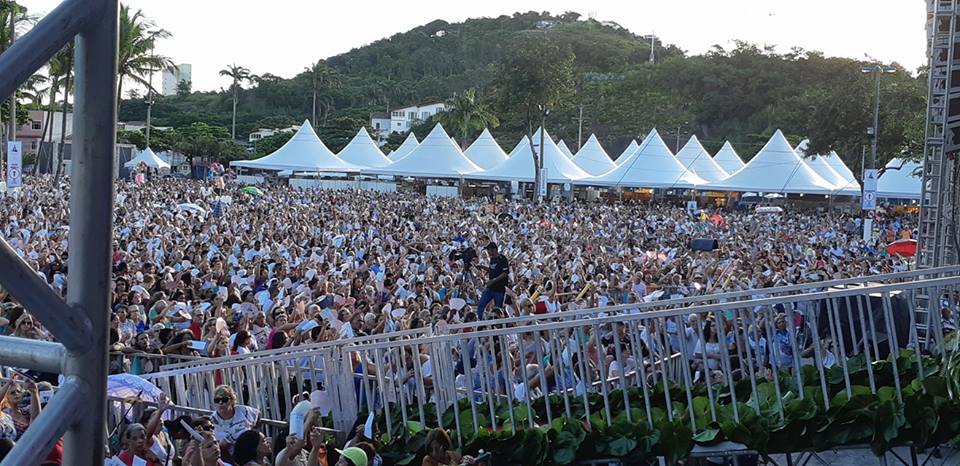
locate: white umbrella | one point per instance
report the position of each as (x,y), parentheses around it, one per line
(191,207)
(128,386)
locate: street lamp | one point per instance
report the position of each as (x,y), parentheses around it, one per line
(684,125)
(877,70)
(872,133)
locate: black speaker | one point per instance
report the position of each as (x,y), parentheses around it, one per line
(704,244)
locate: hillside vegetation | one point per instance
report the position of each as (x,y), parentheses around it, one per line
(741,94)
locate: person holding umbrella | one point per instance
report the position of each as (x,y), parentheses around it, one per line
(496,286)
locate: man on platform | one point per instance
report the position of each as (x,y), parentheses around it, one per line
(496,287)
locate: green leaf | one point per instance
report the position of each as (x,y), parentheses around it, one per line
(707,436)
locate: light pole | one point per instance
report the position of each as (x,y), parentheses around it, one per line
(877,70)
(677,149)
(872,133)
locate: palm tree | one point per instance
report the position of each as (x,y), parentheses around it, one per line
(34,90)
(323,76)
(238,74)
(468,113)
(137,38)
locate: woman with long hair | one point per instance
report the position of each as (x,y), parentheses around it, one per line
(252,449)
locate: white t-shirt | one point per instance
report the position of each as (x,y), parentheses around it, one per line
(244,418)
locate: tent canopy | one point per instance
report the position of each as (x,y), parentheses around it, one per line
(833,159)
(775,169)
(363,152)
(819,165)
(303,152)
(651,165)
(728,159)
(409,144)
(563,148)
(436,157)
(149,158)
(485,152)
(696,159)
(899,180)
(631,148)
(520,167)
(593,159)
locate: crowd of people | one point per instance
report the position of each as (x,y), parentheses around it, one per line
(203,272)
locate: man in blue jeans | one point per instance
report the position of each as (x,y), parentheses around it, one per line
(496,287)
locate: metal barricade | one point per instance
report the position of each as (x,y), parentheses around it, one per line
(635,363)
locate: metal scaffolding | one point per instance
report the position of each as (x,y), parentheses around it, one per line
(78,409)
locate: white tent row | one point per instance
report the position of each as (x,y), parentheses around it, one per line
(777,168)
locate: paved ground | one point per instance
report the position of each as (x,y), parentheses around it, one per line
(861,457)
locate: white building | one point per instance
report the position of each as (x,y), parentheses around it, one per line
(403,118)
(184,72)
(263,132)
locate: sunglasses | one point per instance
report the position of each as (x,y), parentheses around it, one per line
(221,399)
(205,427)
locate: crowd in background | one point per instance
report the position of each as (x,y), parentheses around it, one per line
(205,272)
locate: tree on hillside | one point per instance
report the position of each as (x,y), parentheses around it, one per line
(210,143)
(137,38)
(184,88)
(238,75)
(269,144)
(535,77)
(466,113)
(322,76)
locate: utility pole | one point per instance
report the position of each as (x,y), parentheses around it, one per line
(872,133)
(580,129)
(543,130)
(653,38)
(149,97)
(14,9)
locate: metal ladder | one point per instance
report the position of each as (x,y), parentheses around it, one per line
(938,215)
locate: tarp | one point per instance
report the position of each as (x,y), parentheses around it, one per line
(900,180)
(149,158)
(485,152)
(775,169)
(520,167)
(728,159)
(563,148)
(409,144)
(303,152)
(593,159)
(696,159)
(819,165)
(436,157)
(652,165)
(363,152)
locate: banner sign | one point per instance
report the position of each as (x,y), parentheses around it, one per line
(14,165)
(869,189)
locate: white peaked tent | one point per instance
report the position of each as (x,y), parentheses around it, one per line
(728,159)
(626,152)
(563,148)
(520,167)
(652,165)
(409,144)
(819,165)
(834,160)
(436,157)
(593,159)
(303,152)
(898,180)
(775,169)
(485,152)
(363,152)
(696,159)
(149,158)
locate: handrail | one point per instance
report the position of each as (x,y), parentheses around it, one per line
(348,345)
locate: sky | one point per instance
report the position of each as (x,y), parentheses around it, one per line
(283,37)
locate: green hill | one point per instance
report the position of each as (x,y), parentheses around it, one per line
(741,95)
